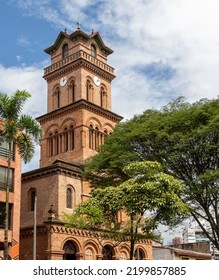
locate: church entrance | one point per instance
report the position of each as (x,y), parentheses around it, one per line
(70,251)
(108,252)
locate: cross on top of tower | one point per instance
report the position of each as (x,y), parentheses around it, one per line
(79,24)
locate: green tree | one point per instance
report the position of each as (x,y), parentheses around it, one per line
(148,189)
(20,130)
(184,138)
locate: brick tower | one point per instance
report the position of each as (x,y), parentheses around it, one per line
(77,121)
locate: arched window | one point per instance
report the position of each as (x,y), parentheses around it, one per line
(66,139)
(96,138)
(31,199)
(103,98)
(91,137)
(72,92)
(88,254)
(123,256)
(69,198)
(72,137)
(57,98)
(93,51)
(56,143)
(89,91)
(50,145)
(65,51)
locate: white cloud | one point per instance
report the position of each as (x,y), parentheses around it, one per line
(23,41)
(29,79)
(177,39)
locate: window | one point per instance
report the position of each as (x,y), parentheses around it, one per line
(66,139)
(103,98)
(93,51)
(56,143)
(72,135)
(31,199)
(69,197)
(50,145)
(72,92)
(4,146)
(58,98)
(96,138)
(89,91)
(123,256)
(65,51)
(91,134)
(3,178)
(2,215)
(88,254)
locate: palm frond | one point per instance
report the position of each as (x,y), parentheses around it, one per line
(26,147)
(31,127)
(17,102)
(4,103)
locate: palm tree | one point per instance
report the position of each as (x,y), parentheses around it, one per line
(20,130)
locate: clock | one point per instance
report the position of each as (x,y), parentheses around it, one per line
(96,81)
(63,81)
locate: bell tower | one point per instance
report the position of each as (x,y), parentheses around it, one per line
(78,119)
(79,115)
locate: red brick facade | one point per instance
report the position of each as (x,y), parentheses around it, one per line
(14,202)
(78,119)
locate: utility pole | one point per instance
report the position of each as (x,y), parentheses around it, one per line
(34,227)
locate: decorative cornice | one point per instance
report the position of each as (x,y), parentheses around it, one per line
(78,105)
(77,35)
(58,167)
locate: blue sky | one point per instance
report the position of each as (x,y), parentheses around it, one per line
(162,49)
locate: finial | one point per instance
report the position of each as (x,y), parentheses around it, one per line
(79,24)
(65,30)
(92,30)
(51,213)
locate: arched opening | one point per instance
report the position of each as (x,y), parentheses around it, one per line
(93,51)
(139,254)
(65,51)
(108,252)
(72,92)
(31,199)
(91,137)
(69,197)
(70,251)
(72,137)
(50,139)
(89,91)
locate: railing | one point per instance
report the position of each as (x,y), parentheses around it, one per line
(74,57)
(4,153)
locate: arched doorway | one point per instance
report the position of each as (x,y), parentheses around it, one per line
(108,252)
(139,254)
(70,251)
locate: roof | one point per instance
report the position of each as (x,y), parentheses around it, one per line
(182,252)
(76,35)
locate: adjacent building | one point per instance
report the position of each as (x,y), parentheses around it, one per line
(14,199)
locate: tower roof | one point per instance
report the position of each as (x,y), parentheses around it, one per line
(77,35)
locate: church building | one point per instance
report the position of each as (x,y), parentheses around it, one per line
(79,117)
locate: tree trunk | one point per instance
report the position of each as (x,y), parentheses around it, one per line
(132,240)
(7,204)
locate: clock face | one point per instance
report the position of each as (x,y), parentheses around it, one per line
(63,81)
(97,81)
